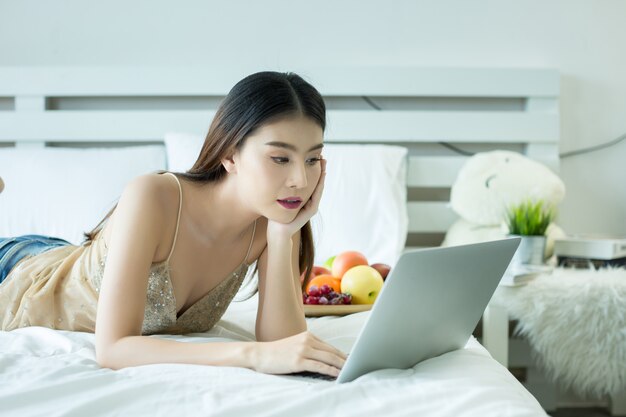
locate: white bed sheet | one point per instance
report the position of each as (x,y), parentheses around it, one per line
(54,373)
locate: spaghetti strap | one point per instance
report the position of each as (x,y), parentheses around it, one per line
(180,206)
(250,247)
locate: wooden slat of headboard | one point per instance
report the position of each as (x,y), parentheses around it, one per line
(349,126)
(433,171)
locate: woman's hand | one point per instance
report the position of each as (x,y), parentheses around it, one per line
(287,230)
(301,352)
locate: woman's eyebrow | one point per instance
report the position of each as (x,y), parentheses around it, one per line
(292,147)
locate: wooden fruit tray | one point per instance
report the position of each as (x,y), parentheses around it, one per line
(334,310)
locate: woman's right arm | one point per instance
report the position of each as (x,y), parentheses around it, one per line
(137,230)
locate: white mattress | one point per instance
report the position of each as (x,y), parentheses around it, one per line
(52,372)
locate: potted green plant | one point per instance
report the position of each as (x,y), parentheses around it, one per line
(529,220)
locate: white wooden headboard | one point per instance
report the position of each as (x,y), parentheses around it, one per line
(438,113)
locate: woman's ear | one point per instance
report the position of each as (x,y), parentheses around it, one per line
(229,164)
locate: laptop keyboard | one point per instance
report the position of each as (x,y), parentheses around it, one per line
(314,375)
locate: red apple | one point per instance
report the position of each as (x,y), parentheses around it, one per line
(383,269)
(317,270)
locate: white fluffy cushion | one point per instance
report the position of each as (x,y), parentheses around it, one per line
(64,192)
(574,320)
(489,182)
(364,203)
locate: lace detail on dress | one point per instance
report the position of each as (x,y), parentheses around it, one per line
(160,310)
(205,313)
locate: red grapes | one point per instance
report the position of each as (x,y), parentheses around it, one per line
(325,296)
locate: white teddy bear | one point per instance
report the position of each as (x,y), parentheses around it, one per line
(487,184)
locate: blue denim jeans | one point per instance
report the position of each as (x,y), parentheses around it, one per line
(14,249)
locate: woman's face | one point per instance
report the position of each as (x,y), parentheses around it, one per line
(279,160)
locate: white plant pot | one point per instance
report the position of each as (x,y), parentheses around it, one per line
(531,250)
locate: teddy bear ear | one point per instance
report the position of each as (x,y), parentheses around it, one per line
(489,182)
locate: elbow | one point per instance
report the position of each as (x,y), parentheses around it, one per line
(264,336)
(105,357)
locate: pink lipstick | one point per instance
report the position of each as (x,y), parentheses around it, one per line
(290,202)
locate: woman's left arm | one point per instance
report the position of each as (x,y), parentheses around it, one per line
(281,311)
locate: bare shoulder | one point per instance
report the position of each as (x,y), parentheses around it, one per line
(151,192)
(162,197)
(159,182)
(151,196)
(163,187)
(144,196)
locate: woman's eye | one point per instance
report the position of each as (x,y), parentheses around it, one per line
(282,161)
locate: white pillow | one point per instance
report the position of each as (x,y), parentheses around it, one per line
(364,206)
(182,150)
(64,192)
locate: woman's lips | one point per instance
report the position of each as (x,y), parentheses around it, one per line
(290,206)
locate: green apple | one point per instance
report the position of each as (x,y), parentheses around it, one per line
(363,282)
(329,262)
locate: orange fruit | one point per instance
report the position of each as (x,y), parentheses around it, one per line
(347,260)
(333,282)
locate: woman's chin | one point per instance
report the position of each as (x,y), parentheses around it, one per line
(285,217)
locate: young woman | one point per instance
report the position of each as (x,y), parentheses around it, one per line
(172,253)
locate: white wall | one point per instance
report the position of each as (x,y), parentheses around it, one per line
(584,39)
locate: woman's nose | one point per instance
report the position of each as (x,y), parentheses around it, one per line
(298,177)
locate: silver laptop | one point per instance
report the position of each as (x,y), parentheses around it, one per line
(430,304)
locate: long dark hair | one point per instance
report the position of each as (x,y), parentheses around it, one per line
(254,101)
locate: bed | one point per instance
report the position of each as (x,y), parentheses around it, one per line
(86,131)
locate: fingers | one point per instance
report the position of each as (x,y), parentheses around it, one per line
(295,354)
(313,203)
(321,345)
(317,193)
(322,368)
(327,358)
